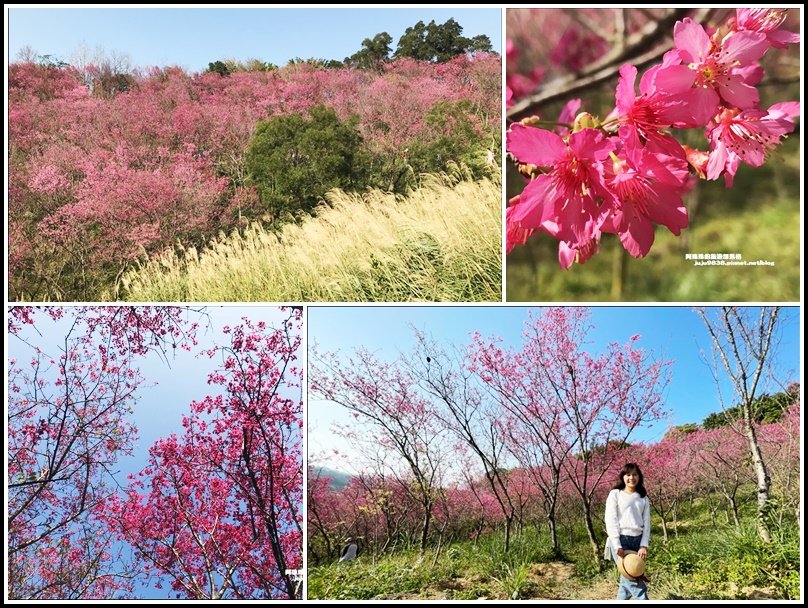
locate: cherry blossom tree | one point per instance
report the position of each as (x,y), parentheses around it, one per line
(218,509)
(721,467)
(68,425)
(470,415)
(782,447)
(397,418)
(587,403)
(675,468)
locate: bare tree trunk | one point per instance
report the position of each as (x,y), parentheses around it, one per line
(551,518)
(763,483)
(675,520)
(733,506)
(425,526)
(743,344)
(590,531)
(508,526)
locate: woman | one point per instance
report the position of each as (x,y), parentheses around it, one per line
(628,524)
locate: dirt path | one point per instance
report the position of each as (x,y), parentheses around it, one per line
(554,580)
(545,581)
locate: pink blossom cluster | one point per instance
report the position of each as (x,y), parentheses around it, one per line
(627,173)
(685,466)
(96,181)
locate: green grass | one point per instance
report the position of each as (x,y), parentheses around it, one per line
(439,243)
(759,218)
(702,562)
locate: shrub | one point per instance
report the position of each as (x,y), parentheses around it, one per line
(293,161)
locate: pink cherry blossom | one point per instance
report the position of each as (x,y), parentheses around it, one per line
(571,200)
(709,74)
(766,21)
(514,233)
(652,110)
(646,193)
(747,136)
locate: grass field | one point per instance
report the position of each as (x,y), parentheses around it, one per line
(442,242)
(703,561)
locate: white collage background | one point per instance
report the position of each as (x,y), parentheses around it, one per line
(378,304)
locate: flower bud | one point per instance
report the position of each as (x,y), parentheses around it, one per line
(584,120)
(531,121)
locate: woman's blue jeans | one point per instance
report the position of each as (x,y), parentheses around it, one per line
(628,587)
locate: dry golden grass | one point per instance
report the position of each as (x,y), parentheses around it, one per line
(442,242)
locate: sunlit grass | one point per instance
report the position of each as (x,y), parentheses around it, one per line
(705,560)
(440,243)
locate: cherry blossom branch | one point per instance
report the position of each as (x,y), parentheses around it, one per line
(641,48)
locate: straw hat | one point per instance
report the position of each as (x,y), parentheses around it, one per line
(631,565)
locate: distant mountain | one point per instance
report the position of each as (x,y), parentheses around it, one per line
(338,479)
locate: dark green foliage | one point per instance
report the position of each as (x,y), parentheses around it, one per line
(52,62)
(765,410)
(226,67)
(316,63)
(682,430)
(293,161)
(611,445)
(456,136)
(726,564)
(110,83)
(438,43)
(219,67)
(374,53)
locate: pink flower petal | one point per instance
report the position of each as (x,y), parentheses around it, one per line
(590,143)
(674,79)
(639,237)
(691,39)
(788,108)
(703,104)
(781,38)
(625,94)
(743,47)
(566,255)
(738,93)
(717,161)
(751,74)
(536,146)
(537,202)
(567,115)
(667,209)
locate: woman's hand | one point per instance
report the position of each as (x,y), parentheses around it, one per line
(643,553)
(621,553)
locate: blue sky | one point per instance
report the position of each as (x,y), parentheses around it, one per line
(192,38)
(674,333)
(169,387)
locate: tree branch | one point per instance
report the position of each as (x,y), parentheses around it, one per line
(641,48)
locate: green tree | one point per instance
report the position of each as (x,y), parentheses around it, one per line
(220,67)
(293,161)
(317,63)
(373,54)
(439,43)
(765,410)
(480,44)
(455,135)
(413,43)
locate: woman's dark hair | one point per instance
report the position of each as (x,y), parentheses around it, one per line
(630,467)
